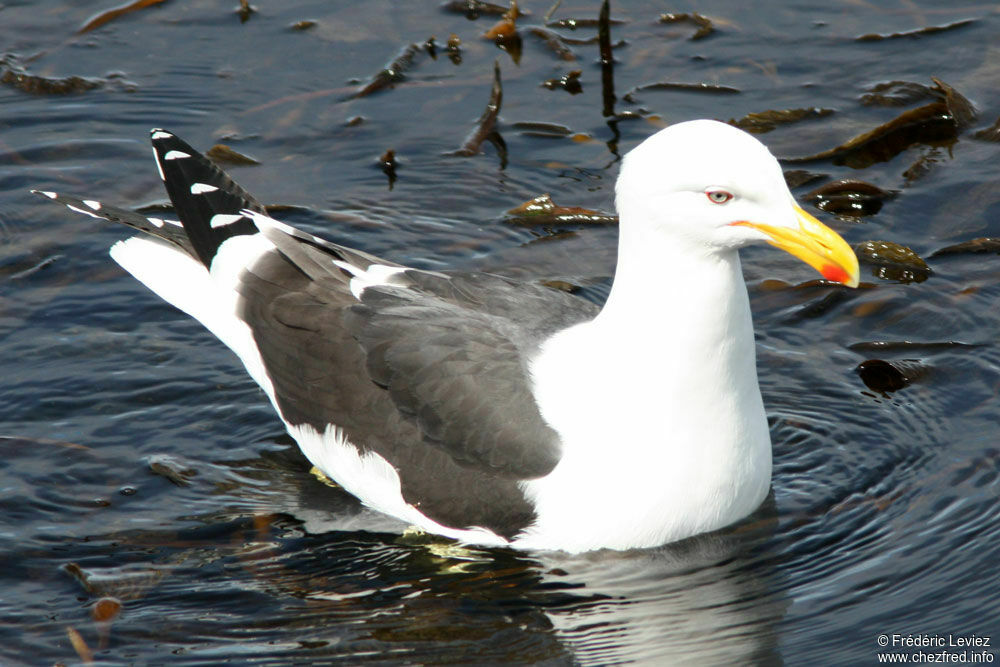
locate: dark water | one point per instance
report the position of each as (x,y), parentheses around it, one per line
(139,463)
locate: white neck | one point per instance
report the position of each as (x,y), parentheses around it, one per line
(657,404)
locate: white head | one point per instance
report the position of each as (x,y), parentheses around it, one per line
(714,188)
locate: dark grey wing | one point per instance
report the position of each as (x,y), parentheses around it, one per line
(453,350)
(445,353)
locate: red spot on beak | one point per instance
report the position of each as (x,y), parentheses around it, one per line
(835,273)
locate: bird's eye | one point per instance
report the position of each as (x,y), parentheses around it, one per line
(718,196)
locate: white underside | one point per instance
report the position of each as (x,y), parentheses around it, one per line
(211,299)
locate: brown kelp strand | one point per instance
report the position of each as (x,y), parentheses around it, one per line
(765,121)
(394,72)
(570,82)
(573,24)
(991,133)
(897,94)
(109,15)
(796,178)
(934,123)
(454,49)
(710,88)
(79,645)
(555,43)
(892,261)
(171,469)
(13,74)
(387,162)
(245,11)
(920,32)
(913,347)
(604,24)
(543,211)
(506,27)
(473,9)
(223,154)
(849,197)
(124,583)
(541,129)
(980,246)
(702,23)
(486,125)
(886,377)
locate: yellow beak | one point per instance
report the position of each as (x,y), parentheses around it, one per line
(815,244)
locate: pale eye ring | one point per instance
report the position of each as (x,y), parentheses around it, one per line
(718,196)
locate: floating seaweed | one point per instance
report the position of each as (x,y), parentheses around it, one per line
(125,583)
(473,9)
(923,165)
(542,129)
(171,469)
(13,74)
(832,296)
(485,129)
(245,11)
(109,15)
(981,246)
(570,82)
(506,27)
(892,261)
(505,35)
(896,94)
(80,646)
(711,88)
(551,11)
(934,123)
(454,49)
(393,73)
(573,24)
(907,346)
(959,106)
(604,24)
(886,377)
(543,211)
(223,154)
(555,42)
(388,164)
(562,286)
(920,32)
(849,197)
(104,611)
(702,23)
(798,177)
(991,133)
(765,121)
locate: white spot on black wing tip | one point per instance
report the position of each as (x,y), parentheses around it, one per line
(223,219)
(156,222)
(202,188)
(83,211)
(47,193)
(157,133)
(96,205)
(159,168)
(176,155)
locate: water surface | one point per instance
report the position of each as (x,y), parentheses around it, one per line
(139,462)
